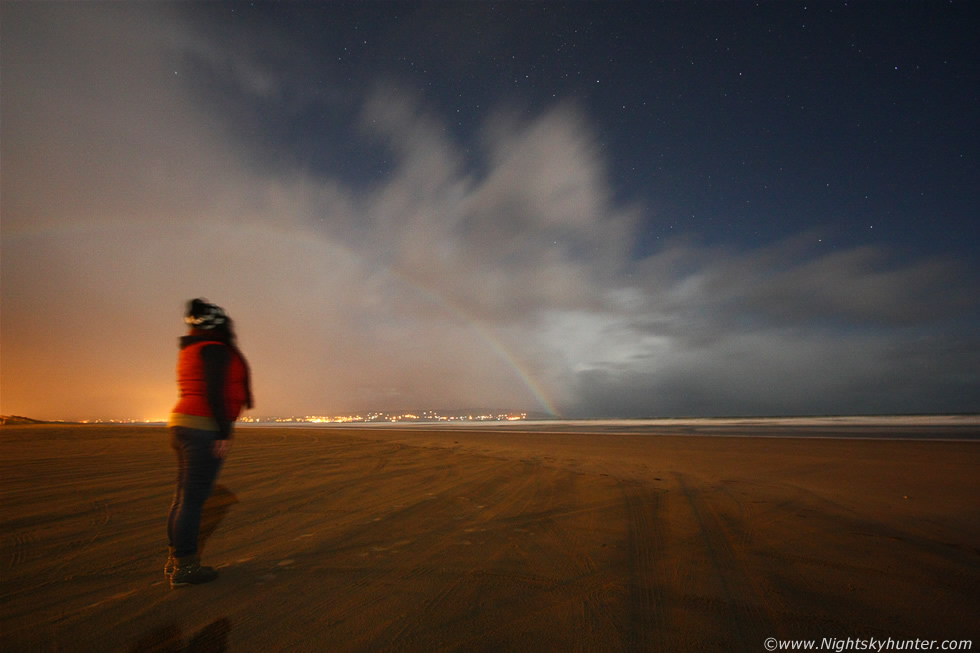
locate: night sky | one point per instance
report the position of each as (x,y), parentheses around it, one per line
(592,210)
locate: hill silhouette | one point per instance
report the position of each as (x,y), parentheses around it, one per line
(14,420)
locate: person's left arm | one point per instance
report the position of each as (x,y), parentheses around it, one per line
(216,359)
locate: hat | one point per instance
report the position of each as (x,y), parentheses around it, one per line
(202,314)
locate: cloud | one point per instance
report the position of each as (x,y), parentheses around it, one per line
(496,271)
(778,330)
(858,284)
(786,372)
(533,228)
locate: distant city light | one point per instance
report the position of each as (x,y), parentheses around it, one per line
(424,416)
(371,417)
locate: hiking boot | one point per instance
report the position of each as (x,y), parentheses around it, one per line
(168,568)
(188,571)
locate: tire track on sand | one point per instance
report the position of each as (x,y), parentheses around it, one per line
(514,497)
(750,610)
(648,627)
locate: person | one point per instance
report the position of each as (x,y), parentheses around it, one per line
(214,386)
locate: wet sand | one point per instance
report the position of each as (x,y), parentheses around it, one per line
(440,540)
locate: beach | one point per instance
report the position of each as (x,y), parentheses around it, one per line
(481,539)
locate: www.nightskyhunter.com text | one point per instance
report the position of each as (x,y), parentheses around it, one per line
(870,644)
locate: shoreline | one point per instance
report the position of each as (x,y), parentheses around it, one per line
(942,428)
(937,428)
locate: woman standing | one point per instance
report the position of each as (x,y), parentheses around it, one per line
(213,387)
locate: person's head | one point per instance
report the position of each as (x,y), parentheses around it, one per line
(206,318)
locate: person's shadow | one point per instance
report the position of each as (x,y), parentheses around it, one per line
(215,509)
(213,638)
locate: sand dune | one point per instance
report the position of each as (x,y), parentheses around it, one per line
(427,540)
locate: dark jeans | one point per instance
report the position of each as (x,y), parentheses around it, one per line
(197,468)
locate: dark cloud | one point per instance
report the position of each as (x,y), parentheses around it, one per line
(787,372)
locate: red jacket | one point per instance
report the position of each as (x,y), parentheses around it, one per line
(193,391)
